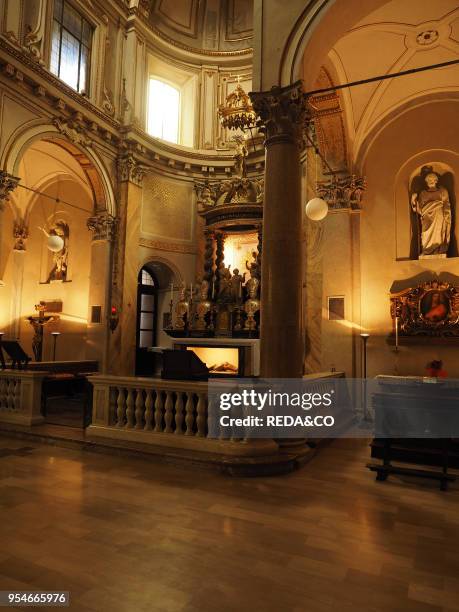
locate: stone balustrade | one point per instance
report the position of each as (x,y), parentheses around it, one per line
(20,397)
(161,412)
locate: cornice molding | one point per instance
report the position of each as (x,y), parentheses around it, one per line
(172,247)
(54,82)
(83,123)
(199,52)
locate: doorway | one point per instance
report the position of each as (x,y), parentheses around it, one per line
(147,309)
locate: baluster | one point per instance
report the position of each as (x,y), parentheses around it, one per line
(10,400)
(3,395)
(112,406)
(158,411)
(201,419)
(121,407)
(189,418)
(149,410)
(130,409)
(17,395)
(169,414)
(179,413)
(139,409)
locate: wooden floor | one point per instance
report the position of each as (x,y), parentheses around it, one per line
(126,534)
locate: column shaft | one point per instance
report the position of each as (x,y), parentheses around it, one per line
(281,287)
(282,113)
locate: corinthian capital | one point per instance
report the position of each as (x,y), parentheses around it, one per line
(283,112)
(103,226)
(8,183)
(131,170)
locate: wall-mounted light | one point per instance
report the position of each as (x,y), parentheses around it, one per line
(114,318)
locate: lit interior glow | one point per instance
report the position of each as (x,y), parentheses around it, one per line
(218,360)
(239,249)
(163,111)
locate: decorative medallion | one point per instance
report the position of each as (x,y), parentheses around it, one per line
(427,37)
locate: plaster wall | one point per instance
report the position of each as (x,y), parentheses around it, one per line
(426,133)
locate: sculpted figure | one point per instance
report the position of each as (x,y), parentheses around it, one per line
(254,266)
(224,277)
(236,284)
(434,209)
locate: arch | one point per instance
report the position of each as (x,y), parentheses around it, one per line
(314,33)
(160,266)
(48,181)
(93,167)
(393,114)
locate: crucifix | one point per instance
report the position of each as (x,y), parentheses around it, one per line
(38,323)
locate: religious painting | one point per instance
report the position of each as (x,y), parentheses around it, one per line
(435,306)
(430,309)
(432,203)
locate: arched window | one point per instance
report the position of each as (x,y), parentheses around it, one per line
(163,111)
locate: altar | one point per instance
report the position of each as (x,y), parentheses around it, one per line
(225,356)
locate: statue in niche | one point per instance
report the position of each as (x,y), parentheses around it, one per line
(224,279)
(60,258)
(254,267)
(431,205)
(203,289)
(237,281)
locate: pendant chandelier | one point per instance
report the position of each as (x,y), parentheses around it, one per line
(237,112)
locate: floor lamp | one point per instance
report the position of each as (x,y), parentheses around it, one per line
(55,336)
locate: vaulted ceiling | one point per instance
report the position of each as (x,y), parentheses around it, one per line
(400,35)
(215,26)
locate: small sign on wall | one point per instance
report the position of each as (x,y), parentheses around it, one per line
(336,308)
(96,314)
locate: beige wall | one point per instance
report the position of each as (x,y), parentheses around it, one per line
(34,265)
(334,266)
(421,135)
(168,237)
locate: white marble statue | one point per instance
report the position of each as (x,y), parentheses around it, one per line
(434,209)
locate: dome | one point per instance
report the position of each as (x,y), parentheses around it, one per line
(210,27)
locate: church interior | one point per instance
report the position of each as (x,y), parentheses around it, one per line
(197,193)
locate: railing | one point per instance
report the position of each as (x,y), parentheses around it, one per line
(163,412)
(181,411)
(20,396)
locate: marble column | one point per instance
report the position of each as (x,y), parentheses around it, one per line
(282,112)
(131,174)
(103,227)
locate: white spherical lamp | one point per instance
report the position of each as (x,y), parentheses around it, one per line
(55,243)
(316,209)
